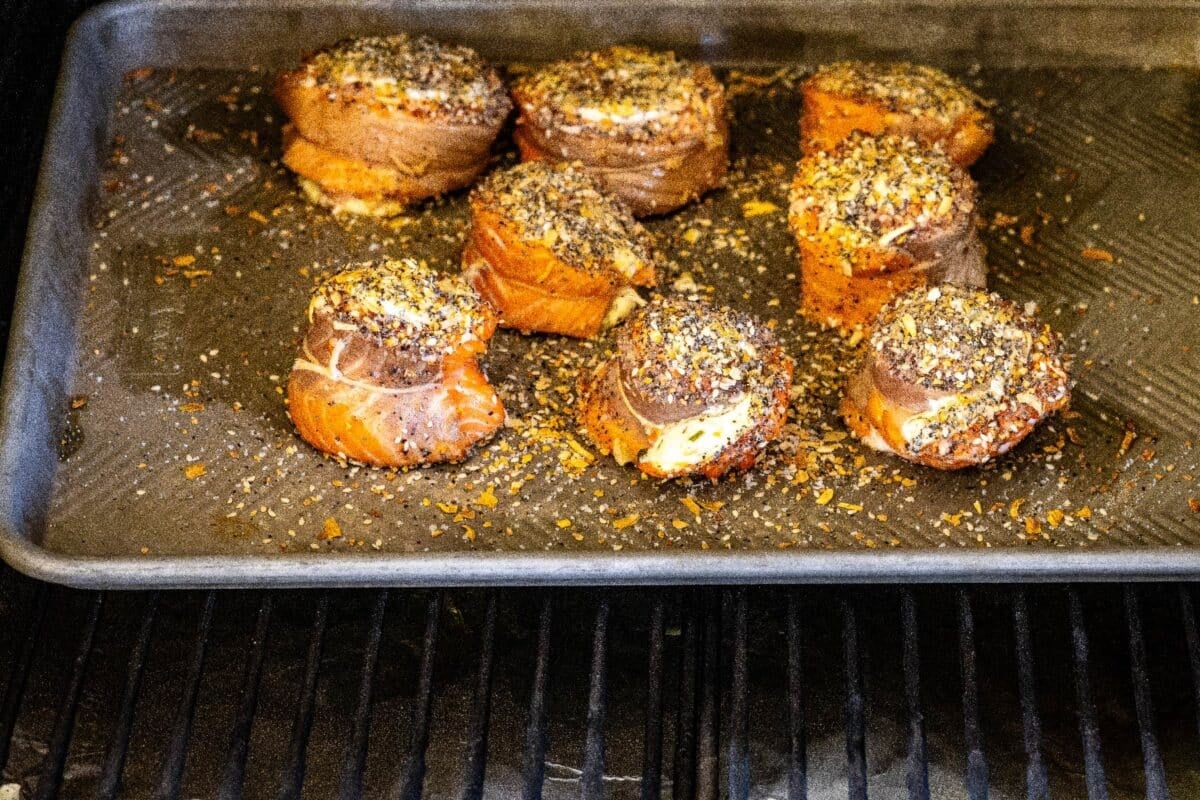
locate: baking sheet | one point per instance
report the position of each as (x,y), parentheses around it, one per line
(172,461)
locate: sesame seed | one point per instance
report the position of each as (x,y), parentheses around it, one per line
(405,301)
(416,73)
(563,207)
(623,91)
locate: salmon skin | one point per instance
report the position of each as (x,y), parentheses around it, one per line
(410,391)
(553,252)
(349,397)
(672,149)
(380,122)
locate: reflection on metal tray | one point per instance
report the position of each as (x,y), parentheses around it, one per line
(146,441)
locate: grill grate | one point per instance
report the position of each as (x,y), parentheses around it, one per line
(745,693)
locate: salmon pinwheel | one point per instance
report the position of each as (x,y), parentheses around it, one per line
(378,123)
(553,253)
(954,377)
(877,216)
(650,126)
(906,99)
(388,371)
(692,389)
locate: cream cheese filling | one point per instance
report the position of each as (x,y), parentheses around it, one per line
(354,206)
(626,301)
(688,443)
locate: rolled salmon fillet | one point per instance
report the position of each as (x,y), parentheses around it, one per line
(554,253)
(875,217)
(899,98)
(954,377)
(652,128)
(388,371)
(380,122)
(692,389)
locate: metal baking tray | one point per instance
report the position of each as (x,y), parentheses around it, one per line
(145,440)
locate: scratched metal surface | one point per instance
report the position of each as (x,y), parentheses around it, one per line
(203,255)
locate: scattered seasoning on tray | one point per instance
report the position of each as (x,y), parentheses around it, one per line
(1097,254)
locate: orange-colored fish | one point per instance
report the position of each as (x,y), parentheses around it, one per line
(393,397)
(905,99)
(552,252)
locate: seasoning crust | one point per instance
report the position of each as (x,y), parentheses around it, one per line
(406,302)
(562,207)
(623,91)
(880,190)
(900,87)
(683,351)
(417,74)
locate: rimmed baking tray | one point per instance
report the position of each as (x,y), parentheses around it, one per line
(145,439)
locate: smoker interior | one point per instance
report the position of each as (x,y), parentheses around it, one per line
(998,692)
(147,443)
(1003,692)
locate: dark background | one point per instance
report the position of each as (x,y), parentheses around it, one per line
(31,42)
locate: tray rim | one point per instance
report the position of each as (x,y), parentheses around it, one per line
(467,569)
(1038,563)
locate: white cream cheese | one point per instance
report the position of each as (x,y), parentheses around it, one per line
(682,445)
(349,205)
(618,115)
(911,427)
(624,304)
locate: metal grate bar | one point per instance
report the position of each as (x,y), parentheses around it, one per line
(293,775)
(854,710)
(1089,732)
(652,746)
(233,775)
(1192,637)
(354,765)
(1156,780)
(172,770)
(797,747)
(708,759)
(412,780)
(917,774)
(57,750)
(19,674)
(977,771)
(114,761)
(739,739)
(592,778)
(683,771)
(477,737)
(60,740)
(537,734)
(1036,780)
